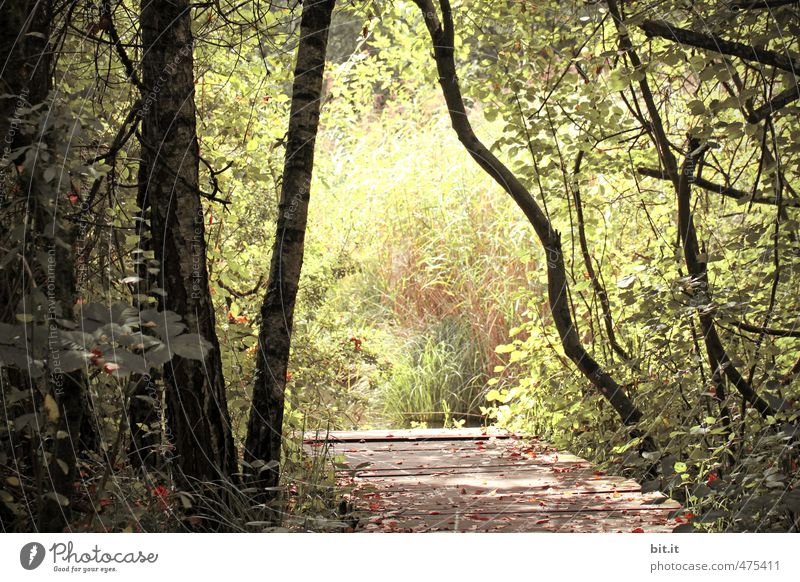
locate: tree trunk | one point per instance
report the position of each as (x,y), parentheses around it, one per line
(26,52)
(197,409)
(264,427)
(442,35)
(681,180)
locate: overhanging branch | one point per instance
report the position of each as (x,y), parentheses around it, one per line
(663,29)
(727,191)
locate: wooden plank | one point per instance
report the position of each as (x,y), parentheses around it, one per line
(405,461)
(476,480)
(488,466)
(499,502)
(578,522)
(416,434)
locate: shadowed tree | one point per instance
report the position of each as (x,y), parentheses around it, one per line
(443,36)
(44,287)
(197,411)
(265,425)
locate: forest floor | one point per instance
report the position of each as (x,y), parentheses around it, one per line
(481,480)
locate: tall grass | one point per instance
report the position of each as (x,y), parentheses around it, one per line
(440,253)
(443,378)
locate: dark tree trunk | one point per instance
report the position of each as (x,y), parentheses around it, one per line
(265,425)
(27,56)
(442,35)
(197,409)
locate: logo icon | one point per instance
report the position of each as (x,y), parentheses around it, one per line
(31,555)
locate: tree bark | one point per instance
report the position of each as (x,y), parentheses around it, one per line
(26,52)
(717,355)
(197,409)
(265,425)
(442,35)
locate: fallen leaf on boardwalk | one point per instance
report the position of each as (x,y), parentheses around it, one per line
(541,521)
(637,530)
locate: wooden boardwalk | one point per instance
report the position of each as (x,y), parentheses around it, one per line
(474,480)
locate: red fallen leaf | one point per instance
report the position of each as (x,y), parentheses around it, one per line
(515,455)
(110,368)
(541,521)
(637,530)
(478,517)
(434,513)
(73,199)
(711,478)
(106,502)
(689,516)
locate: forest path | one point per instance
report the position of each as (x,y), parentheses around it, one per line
(478,480)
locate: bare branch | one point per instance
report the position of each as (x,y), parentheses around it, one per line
(663,29)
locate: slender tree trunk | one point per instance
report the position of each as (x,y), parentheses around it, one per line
(442,35)
(597,285)
(265,425)
(197,409)
(717,355)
